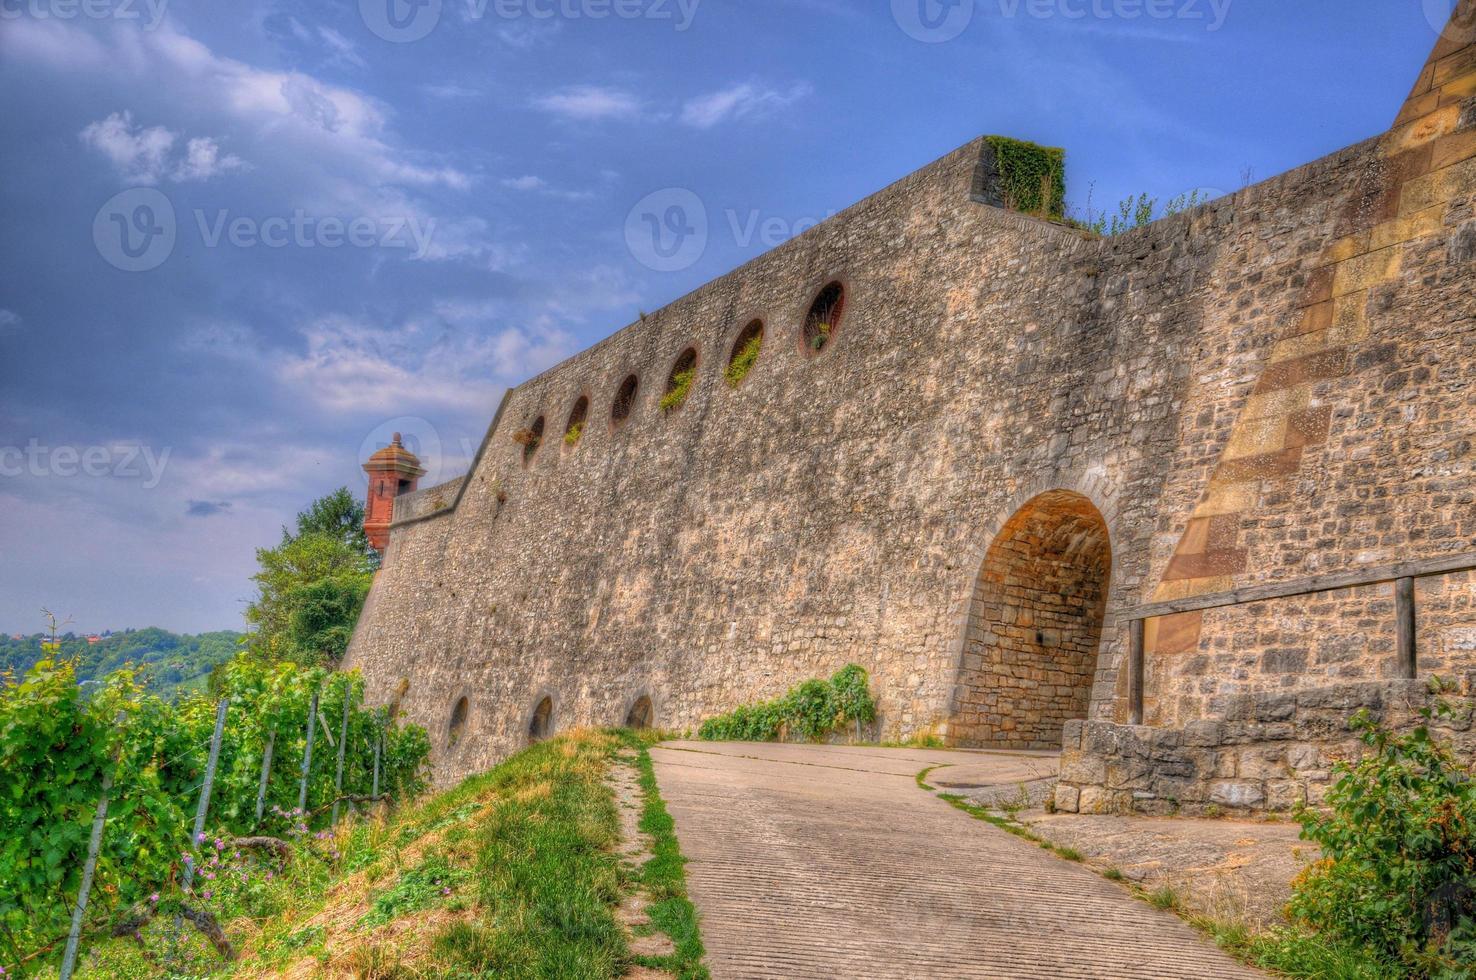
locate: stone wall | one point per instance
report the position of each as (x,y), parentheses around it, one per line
(1270,753)
(1275,384)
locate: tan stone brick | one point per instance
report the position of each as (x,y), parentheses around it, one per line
(1454,67)
(1366,271)
(1226,498)
(1276,404)
(1407,228)
(1418,106)
(1255,436)
(1346,248)
(1454,149)
(1426,129)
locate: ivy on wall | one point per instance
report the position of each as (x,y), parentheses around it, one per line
(1032,177)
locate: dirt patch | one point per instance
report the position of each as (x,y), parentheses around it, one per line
(1227,869)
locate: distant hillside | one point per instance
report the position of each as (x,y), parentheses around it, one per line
(170,661)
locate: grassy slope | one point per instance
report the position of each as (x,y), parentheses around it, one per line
(512,874)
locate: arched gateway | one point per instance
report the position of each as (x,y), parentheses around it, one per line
(1035,623)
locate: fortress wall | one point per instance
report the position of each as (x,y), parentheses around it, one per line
(839,506)
(1334,414)
(834,508)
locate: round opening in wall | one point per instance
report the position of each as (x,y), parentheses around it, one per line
(641,714)
(624,403)
(530,439)
(745,352)
(574,431)
(540,726)
(824,318)
(679,382)
(457,727)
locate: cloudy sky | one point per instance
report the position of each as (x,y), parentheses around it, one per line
(244,242)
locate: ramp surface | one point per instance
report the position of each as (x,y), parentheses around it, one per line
(830,861)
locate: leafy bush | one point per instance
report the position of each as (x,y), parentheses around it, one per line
(814,709)
(743,361)
(1032,177)
(1398,873)
(678,389)
(575,433)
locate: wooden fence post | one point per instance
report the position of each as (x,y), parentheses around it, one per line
(1404,611)
(1135,671)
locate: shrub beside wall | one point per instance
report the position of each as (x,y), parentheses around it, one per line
(812,711)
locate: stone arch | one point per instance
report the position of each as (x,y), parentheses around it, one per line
(1034,625)
(541,721)
(642,714)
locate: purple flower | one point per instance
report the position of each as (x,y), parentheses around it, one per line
(201,838)
(445,891)
(154,897)
(206,896)
(188,858)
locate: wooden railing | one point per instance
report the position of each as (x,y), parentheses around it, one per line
(1403,576)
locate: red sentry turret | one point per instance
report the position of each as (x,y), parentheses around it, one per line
(393,470)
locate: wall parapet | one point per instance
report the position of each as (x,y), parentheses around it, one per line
(428,502)
(1270,753)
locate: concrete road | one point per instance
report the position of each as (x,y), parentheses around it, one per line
(830,861)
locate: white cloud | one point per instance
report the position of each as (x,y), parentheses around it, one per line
(353,367)
(146,155)
(591,102)
(203,161)
(139,155)
(9,321)
(342,50)
(449,91)
(528,183)
(539,185)
(738,102)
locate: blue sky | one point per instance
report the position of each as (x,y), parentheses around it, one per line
(164,409)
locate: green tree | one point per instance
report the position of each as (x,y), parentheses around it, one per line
(311,587)
(324,613)
(339,515)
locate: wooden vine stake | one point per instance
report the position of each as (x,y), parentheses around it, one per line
(348,698)
(94,845)
(307,755)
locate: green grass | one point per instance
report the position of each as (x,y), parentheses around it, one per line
(548,879)
(423,886)
(512,874)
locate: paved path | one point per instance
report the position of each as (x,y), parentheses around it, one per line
(830,861)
